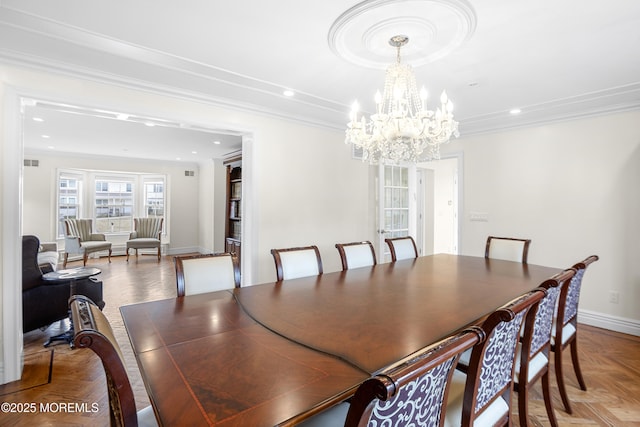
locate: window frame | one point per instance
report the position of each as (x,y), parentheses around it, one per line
(88,196)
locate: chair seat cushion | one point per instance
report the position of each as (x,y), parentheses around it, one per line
(50,258)
(535,365)
(143,243)
(146,417)
(567,332)
(96,245)
(332,417)
(453,416)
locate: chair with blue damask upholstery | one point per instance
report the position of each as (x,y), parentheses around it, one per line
(410,392)
(482,396)
(532,356)
(565,329)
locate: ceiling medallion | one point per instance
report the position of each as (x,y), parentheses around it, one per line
(436,27)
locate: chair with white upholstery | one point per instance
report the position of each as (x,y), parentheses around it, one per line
(92,330)
(532,356)
(565,329)
(507,248)
(292,263)
(482,396)
(410,392)
(147,234)
(402,248)
(80,239)
(197,274)
(356,254)
(48,256)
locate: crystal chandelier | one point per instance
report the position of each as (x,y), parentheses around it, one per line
(402,129)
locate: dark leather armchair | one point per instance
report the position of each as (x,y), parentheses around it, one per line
(44,302)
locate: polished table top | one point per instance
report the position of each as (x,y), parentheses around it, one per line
(71,274)
(261,355)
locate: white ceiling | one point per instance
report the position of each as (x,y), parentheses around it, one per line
(554,60)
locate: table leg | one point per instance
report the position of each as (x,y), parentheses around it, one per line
(69,334)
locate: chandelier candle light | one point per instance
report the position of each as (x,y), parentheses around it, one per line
(402,129)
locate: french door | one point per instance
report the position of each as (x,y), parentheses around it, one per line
(396,205)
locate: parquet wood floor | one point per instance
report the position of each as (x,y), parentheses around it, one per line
(610,363)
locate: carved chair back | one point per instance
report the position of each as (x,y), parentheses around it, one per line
(93,331)
(196,274)
(297,262)
(356,254)
(413,391)
(507,248)
(402,248)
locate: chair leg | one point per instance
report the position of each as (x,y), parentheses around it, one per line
(85,257)
(523,405)
(158,254)
(576,363)
(546,392)
(127,254)
(66,257)
(109,255)
(560,378)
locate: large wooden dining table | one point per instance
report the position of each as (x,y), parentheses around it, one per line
(276,353)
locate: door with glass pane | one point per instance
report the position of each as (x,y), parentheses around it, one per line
(395,205)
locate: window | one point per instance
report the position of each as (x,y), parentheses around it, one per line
(113,205)
(112,200)
(69,191)
(154,197)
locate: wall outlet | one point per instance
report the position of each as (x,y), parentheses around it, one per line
(614,297)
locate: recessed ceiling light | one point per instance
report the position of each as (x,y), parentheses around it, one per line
(122,116)
(38,119)
(51,147)
(217,142)
(45,136)
(515,111)
(194,152)
(178,158)
(149,124)
(288,93)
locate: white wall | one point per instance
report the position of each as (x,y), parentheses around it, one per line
(572,188)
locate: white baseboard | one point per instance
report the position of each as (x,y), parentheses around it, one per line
(607,321)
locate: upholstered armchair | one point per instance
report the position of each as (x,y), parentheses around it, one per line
(80,240)
(45,302)
(146,235)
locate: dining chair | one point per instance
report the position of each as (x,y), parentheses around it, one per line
(402,248)
(410,392)
(197,274)
(482,396)
(292,263)
(79,239)
(147,234)
(92,330)
(532,355)
(507,248)
(565,329)
(356,254)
